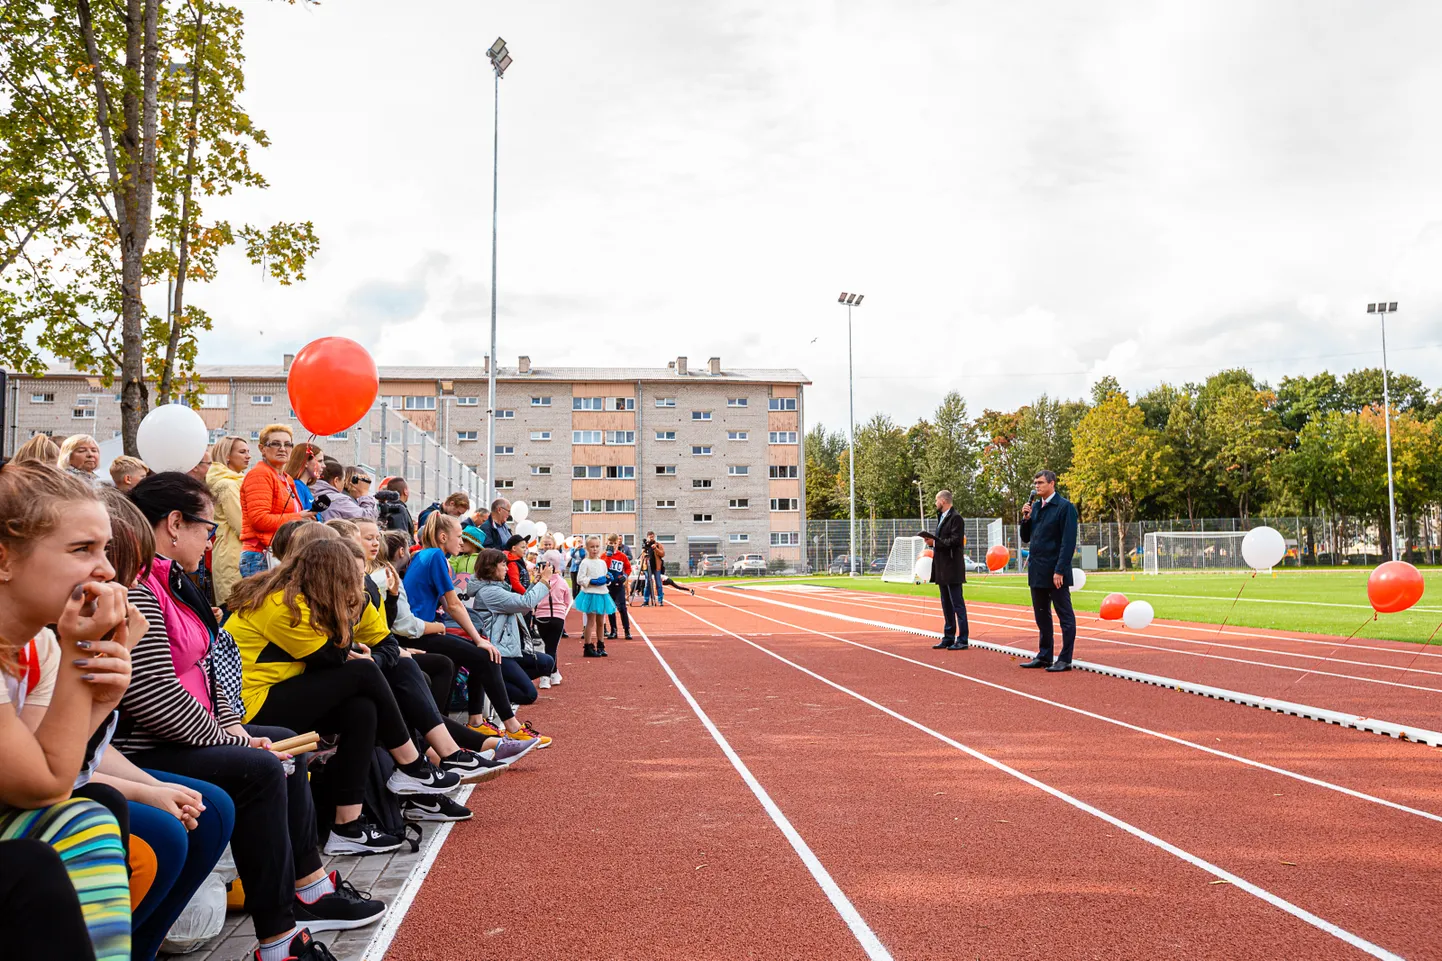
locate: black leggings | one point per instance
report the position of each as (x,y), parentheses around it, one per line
(274,840)
(40,914)
(441,672)
(485,674)
(412,689)
(353,701)
(618,597)
(551,628)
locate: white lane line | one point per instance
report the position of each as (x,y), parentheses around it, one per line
(1297,776)
(380,942)
(867,938)
(1255,890)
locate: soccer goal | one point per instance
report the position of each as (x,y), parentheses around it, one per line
(901,562)
(1193,551)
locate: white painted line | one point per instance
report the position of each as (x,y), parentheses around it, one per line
(867,938)
(1255,890)
(380,942)
(1340,718)
(1297,776)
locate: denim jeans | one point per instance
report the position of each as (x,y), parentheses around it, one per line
(660,591)
(252,562)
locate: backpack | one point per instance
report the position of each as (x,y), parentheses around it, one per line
(379,805)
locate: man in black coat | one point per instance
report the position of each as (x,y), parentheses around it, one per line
(948,572)
(1051,528)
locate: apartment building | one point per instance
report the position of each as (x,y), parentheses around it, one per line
(708,458)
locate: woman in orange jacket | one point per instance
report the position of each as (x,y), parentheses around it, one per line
(268,499)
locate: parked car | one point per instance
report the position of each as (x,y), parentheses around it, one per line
(877,566)
(841,565)
(712,564)
(974,566)
(749,564)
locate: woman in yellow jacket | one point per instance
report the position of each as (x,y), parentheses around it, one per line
(304,630)
(229,459)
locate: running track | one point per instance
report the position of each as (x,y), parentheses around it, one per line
(861,795)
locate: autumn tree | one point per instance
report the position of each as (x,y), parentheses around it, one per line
(1118,461)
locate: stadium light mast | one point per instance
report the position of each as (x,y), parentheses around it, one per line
(500,59)
(1382,309)
(851,300)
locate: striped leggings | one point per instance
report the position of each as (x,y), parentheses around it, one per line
(87,839)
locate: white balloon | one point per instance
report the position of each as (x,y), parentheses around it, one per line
(540,528)
(1137,615)
(1078,578)
(172,437)
(520,510)
(526,528)
(922,570)
(1263,548)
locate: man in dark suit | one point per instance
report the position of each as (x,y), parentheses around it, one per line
(948,572)
(1051,528)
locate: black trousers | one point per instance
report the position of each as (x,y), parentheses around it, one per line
(352,701)
(441,672)
(1043,599)
(485,674)
(618,597)
(551,628)
(953,609)
(40,915)
(275,839)
(412,689)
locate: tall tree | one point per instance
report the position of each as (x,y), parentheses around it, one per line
(1106,387)
(1299,399)
(950,460)
(883,469)
(1363,388)
(1118,461)
(823,451)
(1244,434)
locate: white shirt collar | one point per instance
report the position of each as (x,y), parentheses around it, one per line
(1047,499)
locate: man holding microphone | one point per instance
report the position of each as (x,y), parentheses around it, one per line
(1049,523)
(948,572)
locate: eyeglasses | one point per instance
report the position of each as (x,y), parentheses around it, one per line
(279,444)
(212,525)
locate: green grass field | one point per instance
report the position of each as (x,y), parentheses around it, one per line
(1316,602)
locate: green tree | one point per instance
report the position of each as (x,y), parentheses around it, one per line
(1363,388)
(883,469)
(1299,399)
(823,451)
(1244,434)
(951,457)
(1118,461)
(1105,388)
(1188,450)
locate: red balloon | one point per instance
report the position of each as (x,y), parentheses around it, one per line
(1394,586)
(332,383)
(1113,605)
(997,558)
(928,553)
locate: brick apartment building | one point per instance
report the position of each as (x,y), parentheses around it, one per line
(708,458)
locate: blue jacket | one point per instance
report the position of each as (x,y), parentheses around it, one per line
(495,534)
(1051,530)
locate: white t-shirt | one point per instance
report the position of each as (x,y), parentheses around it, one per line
(40,657)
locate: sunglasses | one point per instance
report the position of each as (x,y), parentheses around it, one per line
(211,525)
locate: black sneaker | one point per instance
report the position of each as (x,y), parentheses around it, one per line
(343,909)
(303,947)
(610,635)
(590,651)
(434,807)
(421,777)
(472,768)
(360,837)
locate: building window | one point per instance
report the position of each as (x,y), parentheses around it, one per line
(785,538)
(587,436)
(584,403)
(262,400)
(467,401)
(85,401)
(504,450)
(598,506)
(739,538)
(255,435)
(467,435)
(782,403)
(666,402)
(665,435)
(700,450)
(665,538)
(738,470)
(782,437)
(624,438)
(421,403)
(700,415)
(739,503)
(621,472)
(340,435)
(42,398)
(623,403)
(700,483)
(738,435)
(541,505)
(540,470)
(540,435)
(390,400)
(392,436)
(215,402)
(540,402)
(505,485)
(82,413)
(782,471)
(665,505)
(505,415)
(595,472)
(665,470)
(582,472)
(784,504)
(701,518)
(736,402)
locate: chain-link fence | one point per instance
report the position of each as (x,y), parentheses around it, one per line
(828,543)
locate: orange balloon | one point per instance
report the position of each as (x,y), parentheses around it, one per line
(928,553)
(997,558)
(1112,607)
(1394,586)
(332,383)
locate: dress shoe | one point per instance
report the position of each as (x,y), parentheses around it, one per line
(1059,666)
(960,646)
(945,645)
(1038,661)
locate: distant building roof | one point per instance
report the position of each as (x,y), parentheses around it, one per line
(511,374)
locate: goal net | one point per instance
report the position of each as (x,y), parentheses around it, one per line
(1193,551)
(901,562)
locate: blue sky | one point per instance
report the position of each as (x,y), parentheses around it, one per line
(1030,195)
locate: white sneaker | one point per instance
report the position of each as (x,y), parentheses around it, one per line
(555,678)
(544,683)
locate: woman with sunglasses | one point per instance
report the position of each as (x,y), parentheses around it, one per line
(268,499)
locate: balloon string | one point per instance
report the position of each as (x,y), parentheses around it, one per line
(1339,646)
(1229,615)
(1421,648)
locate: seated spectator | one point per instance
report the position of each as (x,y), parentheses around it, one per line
(230,458)
(80,455)
(126,471)
(34,883)
(476,518)
(456,505)
(305,630)
(304,467)
(594,601)
(267,499)
(463,565)
(500,611)
(39,449)
(53,571)
(550,614)
(495,530)
(358,489)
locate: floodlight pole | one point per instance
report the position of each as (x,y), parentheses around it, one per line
(1382,309)
(500,59)
(920,504)
(851,300)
